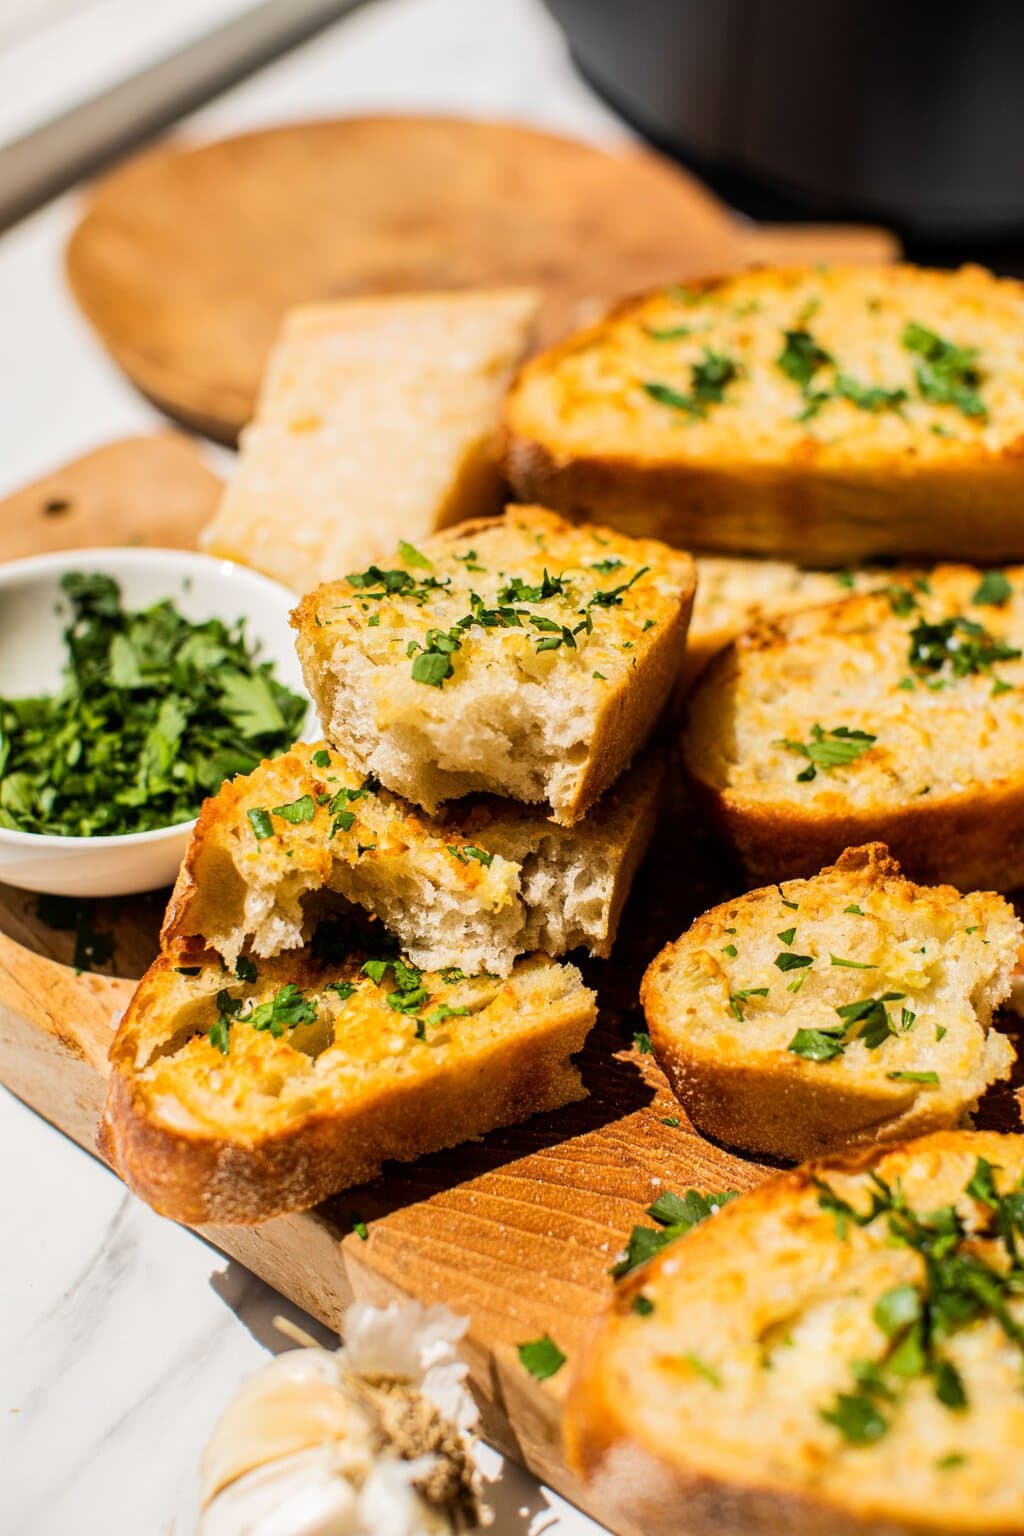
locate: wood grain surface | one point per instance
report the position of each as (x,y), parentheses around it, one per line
(139,490)
(186,257)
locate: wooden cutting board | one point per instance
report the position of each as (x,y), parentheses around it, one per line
(186,257)
(517,1231)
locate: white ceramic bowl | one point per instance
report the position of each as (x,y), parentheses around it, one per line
(32,653)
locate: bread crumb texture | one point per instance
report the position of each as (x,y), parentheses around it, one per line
(850,1007)
(474,889)
(521,656)
(840,1350)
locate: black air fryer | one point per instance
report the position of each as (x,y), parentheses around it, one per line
(910,112)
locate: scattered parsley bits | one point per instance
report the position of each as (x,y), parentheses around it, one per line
(930,1079)
(708,381)
(730,950)
(866,1020)
(297,811)
(541,1357)
(946,373)
(676,1215)
(672,1121)
(957,1286)
(737,999)
(410,555)
(787,961)
(828,749)
(260,822)
(854,910)
(322,758)
(642,1305)
(993,591)
(852,965)
(702,1368)
(801,357)
(787,935)
(359,1226)
(642,1041)
(245,969)
(155,712)
(957,646)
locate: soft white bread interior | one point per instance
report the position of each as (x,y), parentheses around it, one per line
(896,715)
(375,422)
(237,1098)
(521,656)
(839,1351)
(475,888)
(824,1013)
(821,415)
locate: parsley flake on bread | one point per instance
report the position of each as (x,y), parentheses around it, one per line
(841,1351)
(520,656)
(896,715)
(825,1013)
(828,415)
(474,887)
(235,1098)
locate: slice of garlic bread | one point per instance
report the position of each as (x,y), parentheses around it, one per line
(853,1007)
(474,888)
(520,656)
(895,715)
(734,594)
(234,1098)
(826,415)
(840,1351)
(376,422)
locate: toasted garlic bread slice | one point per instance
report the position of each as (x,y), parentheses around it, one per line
(838,1351)
(734,594)
(235,1100)
(897,716)
(521,657)
(476,888)
(824,1013)
(376,421)
(822,415)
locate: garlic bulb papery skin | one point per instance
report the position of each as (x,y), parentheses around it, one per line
(374,1437)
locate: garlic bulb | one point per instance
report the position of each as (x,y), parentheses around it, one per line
(373,1437)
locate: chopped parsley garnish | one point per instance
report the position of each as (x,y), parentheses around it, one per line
(929,1078)
(443,1011)
(737,999)
(297,811)
(676,1215)
(959,1285)
(434,662)
(787,935)
(642,1305)
(259,820)
(869,397)
(801,357)
(642,1041)
(284,1010)
(541,1357)
(154,713)
(828,749)
(946,374)
(851,965)
(467,852)
(787,961)
(866,1020)
(605,567)
(854,909)
(359,1226)
(961,645)
(344,989)
(410,555)
(702,1368)
(245,969)
(708,381)
(322,758)
(993,591)
(516,590)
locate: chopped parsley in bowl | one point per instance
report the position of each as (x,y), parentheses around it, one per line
(132,683)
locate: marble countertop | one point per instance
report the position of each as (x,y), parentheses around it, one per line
(123,1336)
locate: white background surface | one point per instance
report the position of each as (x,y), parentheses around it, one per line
(121,1335)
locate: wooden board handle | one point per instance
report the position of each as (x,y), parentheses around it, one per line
(781,245)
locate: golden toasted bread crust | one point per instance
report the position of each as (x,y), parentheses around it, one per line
(653,1435)
(752,475)
(943,783)
(174,1132)
(728,1056)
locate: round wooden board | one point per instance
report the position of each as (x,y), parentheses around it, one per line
(186,258)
